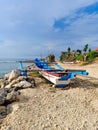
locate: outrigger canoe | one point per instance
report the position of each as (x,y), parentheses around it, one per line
(56,76)
(59,77)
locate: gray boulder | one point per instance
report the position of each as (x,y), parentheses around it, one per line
(3,112)
(3,94)
(7,96)
(10,85)
(12,96)
(31,80)
(21,78)
(6,76)
(2,100)
(2,83)
(14,74)
(23,84)
(12,107)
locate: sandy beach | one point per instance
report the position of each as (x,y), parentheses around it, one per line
(91,68)
(48,108)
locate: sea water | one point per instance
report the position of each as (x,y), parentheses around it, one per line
(6,65)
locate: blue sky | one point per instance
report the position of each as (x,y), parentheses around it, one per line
(31,28)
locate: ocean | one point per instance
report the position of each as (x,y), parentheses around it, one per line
(6,65)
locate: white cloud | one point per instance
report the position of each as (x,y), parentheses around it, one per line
(26,26)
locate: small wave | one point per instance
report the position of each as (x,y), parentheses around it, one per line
(7,61)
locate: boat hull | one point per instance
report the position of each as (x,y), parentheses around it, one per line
(58,81)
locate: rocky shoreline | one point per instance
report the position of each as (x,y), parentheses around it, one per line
(10,85)
(30,103)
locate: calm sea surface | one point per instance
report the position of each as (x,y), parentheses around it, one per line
(6,65)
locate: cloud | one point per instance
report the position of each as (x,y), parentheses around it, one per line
(77,14)
(31,27)
(79,28)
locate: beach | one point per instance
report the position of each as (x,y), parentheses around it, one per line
(91,68)
(46,108)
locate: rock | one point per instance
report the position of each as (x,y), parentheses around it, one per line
(27,78)
(3,112)
(6,76)
(2,100)
(30,79)
(2,83)
(12,96)
(14,74)
(33,86)
(12,107)
(23,84)
(3,94)
(21,78)
(14,82)
(10,85)
(15,106)
(8,96)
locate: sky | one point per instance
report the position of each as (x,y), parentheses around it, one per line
(32,28)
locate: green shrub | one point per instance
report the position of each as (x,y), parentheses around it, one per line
(35,74)
(92,55)
(79,57)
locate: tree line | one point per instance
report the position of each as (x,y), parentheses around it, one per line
(85,55)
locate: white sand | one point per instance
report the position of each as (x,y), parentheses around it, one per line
(92,68)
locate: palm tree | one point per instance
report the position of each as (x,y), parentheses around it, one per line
(85,50)
(63,56)
(69,51)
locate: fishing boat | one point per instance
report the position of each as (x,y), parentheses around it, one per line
(58,77)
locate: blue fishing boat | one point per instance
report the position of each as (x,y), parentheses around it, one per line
(58,77)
